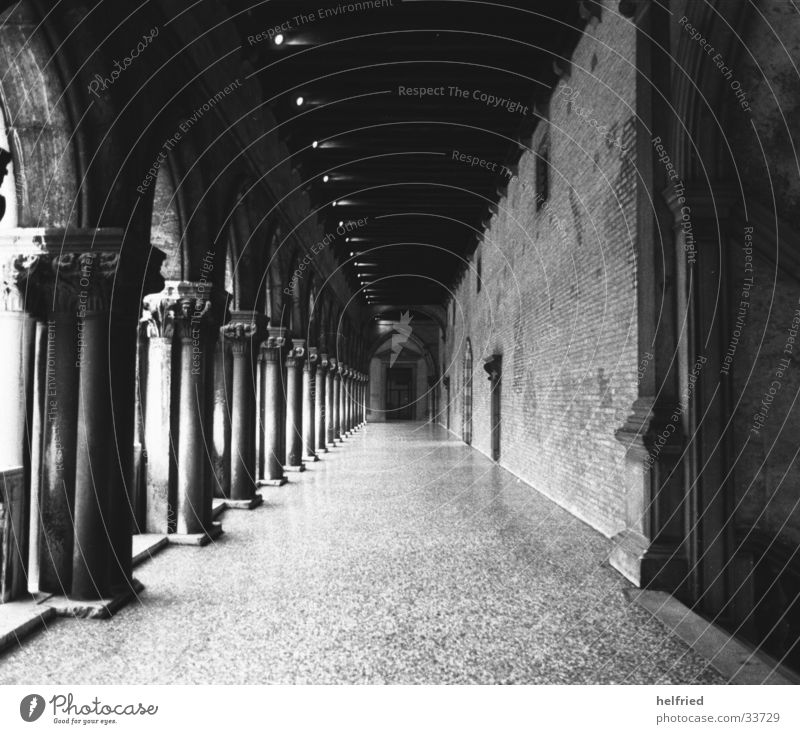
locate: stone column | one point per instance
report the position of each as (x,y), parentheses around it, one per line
(219,445)
(341,399)
(309,400)
(320,407)
(17,331)
(274,406)
(85,299)
(240,333)
(332,402)
(195,332)
(337,404)
(294,407)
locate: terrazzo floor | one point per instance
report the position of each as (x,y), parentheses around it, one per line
(403,556)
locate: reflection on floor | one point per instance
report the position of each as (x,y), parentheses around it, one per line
(402,557)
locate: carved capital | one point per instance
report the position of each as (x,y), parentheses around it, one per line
(296,353)
(183,309)
(312,359)
(62,270)
(323,363)
(333,365)
(493,366)
(273,344)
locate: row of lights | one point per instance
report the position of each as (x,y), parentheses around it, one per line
(299,102)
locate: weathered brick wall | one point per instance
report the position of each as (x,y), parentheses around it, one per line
(558,296)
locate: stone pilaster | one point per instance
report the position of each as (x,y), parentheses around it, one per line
(294,406)
(244,329)
(273,401)
(320,405)
(309,405)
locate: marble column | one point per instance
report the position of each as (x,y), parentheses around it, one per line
(331,402)
(294,407)
(240,333)
(344,372)
(272,350)
(185,317)
(320,407)
(84,297)
(309,405)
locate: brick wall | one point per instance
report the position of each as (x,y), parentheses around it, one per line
(558,295)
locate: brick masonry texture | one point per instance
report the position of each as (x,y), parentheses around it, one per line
(558,294)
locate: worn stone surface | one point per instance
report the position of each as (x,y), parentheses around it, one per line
(405,557)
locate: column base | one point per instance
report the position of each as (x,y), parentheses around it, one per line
(648,565)
(272,482)
(146,545)
(63,606)
(296,468)
(198,539)
(311,457)
(218,507)
(21,618)
(250,504)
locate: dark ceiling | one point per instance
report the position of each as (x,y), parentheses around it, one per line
(389,154)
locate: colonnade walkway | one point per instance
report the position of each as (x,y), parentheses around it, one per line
(403,556)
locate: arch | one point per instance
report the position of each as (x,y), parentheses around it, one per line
(167,223)
(466,425)
(39,131)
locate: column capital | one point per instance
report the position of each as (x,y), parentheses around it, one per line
(323,362)
(344,370)
(297,353)
(244,325)
(54,269)
(182,308)
(333,365)
(313,357)
(274,343)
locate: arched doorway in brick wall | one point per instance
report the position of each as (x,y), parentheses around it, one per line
(466,431)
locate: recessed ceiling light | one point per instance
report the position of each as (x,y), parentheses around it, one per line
(341,223)
(333,203)
(315,144)
(279,39)
(299,101)
(326,178)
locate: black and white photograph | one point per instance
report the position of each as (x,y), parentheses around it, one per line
(400,365)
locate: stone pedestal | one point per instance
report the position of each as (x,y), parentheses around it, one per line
(240,334)
(309,406)
(294,407)
(320,405)
(271,358)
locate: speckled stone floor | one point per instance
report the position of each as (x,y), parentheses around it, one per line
(403,556)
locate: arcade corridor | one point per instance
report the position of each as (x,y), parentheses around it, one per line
(425,563)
